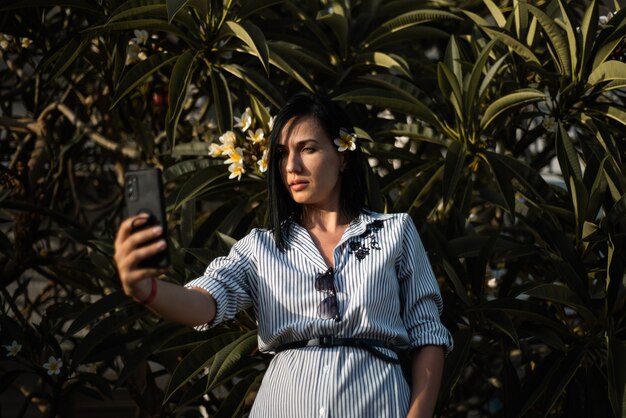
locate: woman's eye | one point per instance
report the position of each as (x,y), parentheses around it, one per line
(308,149)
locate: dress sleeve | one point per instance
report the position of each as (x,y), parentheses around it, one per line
(227,279)
(420,295)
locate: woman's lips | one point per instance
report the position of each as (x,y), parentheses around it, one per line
(298,185)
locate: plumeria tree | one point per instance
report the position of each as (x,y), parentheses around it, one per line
(496,125)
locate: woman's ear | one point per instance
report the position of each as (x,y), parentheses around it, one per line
(344,161)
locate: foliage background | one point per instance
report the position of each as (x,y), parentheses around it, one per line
(498,125)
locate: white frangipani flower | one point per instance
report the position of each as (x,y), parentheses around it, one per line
(141,36)
(245,121)
(236,170)
(257,136)
(215,150)
(13,349)
(346,141)
(53,365)
(228,138)
(263,162)
(236,156)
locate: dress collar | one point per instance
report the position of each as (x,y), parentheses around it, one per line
(300,239)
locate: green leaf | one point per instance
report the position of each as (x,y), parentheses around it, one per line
(178,87)
(140,73)
(557,293)
(412,34)
(504,324)
(334,17)
(452,60)
(497,15)
(597,193)
(258,83)
(385,99)
(154,339)
(453,267)
(607,71)
(531,182)
(508,103)
(253,37)
(199,358)
(291,67)
(195,148)
(222,100)
(567,155)
(259,110)
(532,30)
(252,7)
(606,49)
(307,57)
(227,358)
(64,57)
(407,20)
(471,95)
(453,169)
(551,384)
(489,77)
(233,403)
(104,328)
(580,200)
(391,82)
(139,9)
(183,168)
(173,7)
(199,183)
(572,42)
(503,179)
(611,112)
(515,45)
(516,308)
(521,18)
(588,29)
(415,185)
(94,311)
(449,86)
(381,59)
(559,43)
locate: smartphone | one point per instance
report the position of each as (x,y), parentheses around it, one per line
(143,192)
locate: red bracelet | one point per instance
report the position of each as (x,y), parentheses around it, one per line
(152,295)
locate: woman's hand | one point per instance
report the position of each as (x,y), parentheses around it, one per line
(171,301)
(131,249)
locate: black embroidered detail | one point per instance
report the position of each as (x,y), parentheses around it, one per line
(368,241)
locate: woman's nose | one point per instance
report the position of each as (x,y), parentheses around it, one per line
(293,163)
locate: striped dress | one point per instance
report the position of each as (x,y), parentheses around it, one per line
(386,291)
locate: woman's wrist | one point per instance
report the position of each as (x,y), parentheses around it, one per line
(144,291)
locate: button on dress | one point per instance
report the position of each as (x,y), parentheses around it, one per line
(386,290)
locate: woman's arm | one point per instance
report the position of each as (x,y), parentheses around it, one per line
(173,302)
(426,371)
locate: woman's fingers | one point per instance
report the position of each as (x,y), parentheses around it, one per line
(126,227)
(133,255)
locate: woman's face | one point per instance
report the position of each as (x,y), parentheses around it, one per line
(310,165)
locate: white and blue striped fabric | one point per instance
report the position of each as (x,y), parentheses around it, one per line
(386,291)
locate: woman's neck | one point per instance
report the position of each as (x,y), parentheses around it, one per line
(323,220)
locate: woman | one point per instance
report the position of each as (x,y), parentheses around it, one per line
(335,288)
